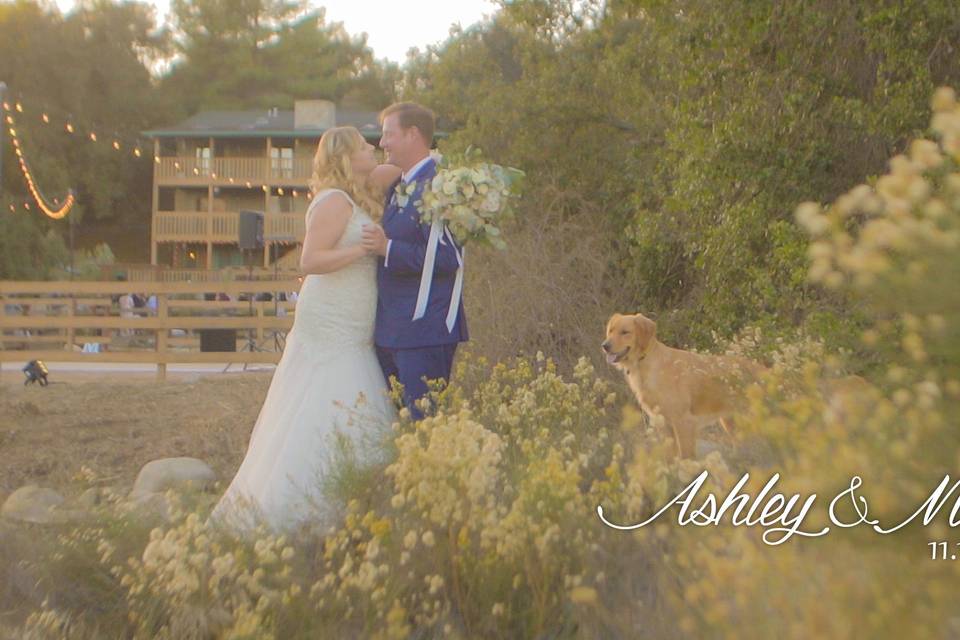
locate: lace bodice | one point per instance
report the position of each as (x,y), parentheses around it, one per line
(338,309)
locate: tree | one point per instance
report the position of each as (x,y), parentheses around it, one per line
(88,69)
(267,53)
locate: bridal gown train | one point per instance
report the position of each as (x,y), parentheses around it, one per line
(328,382)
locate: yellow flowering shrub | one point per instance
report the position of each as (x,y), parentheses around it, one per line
(892,245)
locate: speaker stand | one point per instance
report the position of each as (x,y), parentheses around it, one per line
(251,343)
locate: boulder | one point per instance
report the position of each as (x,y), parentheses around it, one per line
(148,505)
(31,503)
(160,475)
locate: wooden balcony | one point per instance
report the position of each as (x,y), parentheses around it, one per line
(232,171)
(221,227)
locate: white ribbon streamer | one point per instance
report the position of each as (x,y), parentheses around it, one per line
(457,286)
(426,278)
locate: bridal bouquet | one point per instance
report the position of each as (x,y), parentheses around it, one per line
(474,198)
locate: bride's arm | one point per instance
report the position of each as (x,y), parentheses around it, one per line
(327,223)
(384,175)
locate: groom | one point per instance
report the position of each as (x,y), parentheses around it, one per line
(420,318)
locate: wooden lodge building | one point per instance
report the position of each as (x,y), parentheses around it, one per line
(216,164)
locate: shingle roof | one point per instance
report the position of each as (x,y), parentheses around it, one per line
(261,124)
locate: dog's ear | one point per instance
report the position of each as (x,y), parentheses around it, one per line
(645,330)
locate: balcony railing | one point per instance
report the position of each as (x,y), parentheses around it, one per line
(221,227)
(233,171)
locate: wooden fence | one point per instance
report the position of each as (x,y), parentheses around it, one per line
(83,322)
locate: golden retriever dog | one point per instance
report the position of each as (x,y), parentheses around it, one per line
(689,390)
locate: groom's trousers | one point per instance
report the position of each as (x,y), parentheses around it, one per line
(412,367)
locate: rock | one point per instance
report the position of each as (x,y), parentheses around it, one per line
(173,473)
(31,503)
(89,499)
(151,505)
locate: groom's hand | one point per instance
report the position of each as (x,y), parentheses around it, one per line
(374,240)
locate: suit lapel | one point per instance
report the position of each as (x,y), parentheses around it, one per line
(391,208)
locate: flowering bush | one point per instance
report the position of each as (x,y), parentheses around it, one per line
(890,244)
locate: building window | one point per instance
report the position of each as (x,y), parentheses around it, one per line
(203,159)
(281,162)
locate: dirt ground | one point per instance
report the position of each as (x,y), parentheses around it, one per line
(115,423)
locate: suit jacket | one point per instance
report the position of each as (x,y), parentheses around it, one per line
(399,272)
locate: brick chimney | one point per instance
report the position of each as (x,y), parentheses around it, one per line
(314,114)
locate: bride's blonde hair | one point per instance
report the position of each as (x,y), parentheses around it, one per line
(332,169)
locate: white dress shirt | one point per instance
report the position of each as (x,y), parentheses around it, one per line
(407,176)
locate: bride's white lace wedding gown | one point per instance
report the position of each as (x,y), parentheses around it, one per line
(327,388)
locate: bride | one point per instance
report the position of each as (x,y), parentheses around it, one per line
(328,390)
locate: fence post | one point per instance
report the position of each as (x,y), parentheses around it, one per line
(162,334)
(71,313)
(259,322)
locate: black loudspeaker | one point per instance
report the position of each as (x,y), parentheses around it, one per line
(218,340)
(250,230)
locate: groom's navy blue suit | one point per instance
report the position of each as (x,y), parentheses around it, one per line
(412,349)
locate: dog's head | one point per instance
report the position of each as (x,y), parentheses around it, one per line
(628,337)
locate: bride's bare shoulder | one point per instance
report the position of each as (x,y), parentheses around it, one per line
(331,202)
(385,175)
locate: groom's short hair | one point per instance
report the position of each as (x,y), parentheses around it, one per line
(411,114)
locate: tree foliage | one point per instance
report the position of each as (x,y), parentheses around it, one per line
(266,53)
(696,127)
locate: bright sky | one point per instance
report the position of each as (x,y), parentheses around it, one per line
(392,27)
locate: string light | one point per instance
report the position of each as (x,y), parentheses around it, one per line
(116,144)
(55,213)
(69,127)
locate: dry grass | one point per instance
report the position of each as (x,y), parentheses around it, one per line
(551,290)
(116,423)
